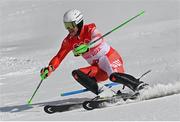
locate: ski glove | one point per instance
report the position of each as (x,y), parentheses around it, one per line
(80,50)
(45,72)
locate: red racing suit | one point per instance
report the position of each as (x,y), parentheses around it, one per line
(103,59)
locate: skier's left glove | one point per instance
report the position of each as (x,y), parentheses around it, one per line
(80,50)
(46,71)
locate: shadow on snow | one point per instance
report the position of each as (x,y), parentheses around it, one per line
(19,108)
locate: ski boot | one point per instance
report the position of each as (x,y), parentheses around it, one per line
(128,80)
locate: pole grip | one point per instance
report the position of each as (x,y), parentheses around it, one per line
(43,76)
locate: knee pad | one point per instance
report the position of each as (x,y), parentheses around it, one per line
(86,81)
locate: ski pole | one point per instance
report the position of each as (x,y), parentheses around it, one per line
(124,23)
(43,76)
(84,47)
(30,100)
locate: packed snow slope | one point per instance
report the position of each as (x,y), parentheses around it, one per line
(31,33)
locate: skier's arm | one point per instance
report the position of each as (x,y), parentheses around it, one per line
(56,60)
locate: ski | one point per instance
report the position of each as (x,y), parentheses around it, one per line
(88,105)
(94,103)
(101,102)
(50,109)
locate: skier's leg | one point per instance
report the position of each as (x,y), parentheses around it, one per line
(89,77)
(127,80)
(111,62)
(86,77)
(95,72)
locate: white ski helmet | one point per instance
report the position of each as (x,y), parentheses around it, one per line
(72,16)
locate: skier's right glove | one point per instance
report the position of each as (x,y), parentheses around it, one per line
(80,50)
(45,72)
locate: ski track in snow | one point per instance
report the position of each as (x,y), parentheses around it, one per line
(15,66)
(18,73)
(160,90)
(156,91)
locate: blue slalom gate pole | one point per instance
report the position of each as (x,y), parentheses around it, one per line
(85,90)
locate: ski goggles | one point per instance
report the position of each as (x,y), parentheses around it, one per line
(70,25)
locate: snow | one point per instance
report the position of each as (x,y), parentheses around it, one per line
(32,31)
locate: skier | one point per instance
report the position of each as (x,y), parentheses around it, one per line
(105,62)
